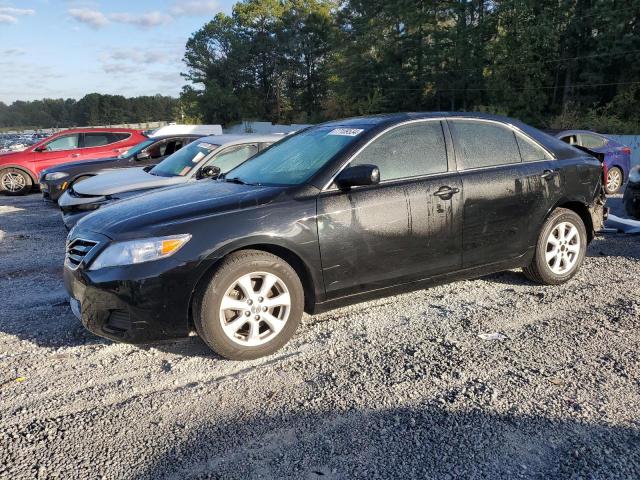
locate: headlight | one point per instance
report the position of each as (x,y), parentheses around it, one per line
(55,176)
(634,175)
(139,251)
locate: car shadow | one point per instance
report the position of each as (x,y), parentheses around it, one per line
(431,440)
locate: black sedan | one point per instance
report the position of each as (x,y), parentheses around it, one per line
(335,214)
(56,180)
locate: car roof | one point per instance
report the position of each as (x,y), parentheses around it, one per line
(573,132)
(98,130)
(391,118)
(177,135)
(230,139)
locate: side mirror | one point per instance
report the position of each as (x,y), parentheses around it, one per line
(143,156)
(41,148)
(210,171)
(358,175)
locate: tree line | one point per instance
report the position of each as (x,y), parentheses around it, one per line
(92,109)
(553,63)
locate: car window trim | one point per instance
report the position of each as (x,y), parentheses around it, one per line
(514,129)
(378,135)
(107,144)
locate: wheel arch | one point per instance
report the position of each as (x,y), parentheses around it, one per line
(303,270)
(22,168)
(583,212)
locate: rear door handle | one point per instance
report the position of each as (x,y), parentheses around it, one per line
(548,174)
(75,154)
(446,192)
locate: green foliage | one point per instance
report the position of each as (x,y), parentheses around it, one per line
(547,62)
(93,109)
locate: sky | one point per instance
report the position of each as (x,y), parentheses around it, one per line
(68,48)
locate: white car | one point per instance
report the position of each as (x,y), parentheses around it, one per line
(194,162)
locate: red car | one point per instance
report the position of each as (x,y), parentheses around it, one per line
(19,171)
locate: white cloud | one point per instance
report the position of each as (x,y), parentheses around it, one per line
(6,19)
(194,7)
(149,19)
(90,17)
(9,15)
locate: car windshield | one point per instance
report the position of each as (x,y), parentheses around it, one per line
(184,160)
(135,149)
(295,159)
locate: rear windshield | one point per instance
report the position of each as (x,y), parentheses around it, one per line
(184,160)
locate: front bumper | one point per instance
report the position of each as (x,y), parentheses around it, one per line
(53,189)
(133,304)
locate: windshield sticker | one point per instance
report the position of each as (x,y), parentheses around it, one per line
(207,146)
(199,156)
(346,132)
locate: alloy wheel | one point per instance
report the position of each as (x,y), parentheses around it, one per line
(563,248)
(614,180)
(255,308)
(13,182)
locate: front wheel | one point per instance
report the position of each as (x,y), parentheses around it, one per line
(250,307)
(614,180)
(560,250)
(15,182)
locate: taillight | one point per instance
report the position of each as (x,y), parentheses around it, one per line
(626,150)
(605,170)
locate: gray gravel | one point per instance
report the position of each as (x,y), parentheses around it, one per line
(397,388)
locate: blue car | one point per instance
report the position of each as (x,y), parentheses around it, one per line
(617,157)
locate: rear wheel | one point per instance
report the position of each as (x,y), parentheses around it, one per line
(560,250)
(250,307)
(15,182)
(614,180)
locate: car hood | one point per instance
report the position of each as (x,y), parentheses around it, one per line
(123,180)
(153,210)
(8,157)
(79,165)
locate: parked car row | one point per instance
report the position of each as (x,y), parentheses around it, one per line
(19,171)
(242,239)
(17,142)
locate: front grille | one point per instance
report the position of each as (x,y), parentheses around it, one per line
(77,249)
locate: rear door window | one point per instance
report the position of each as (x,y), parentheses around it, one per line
(483,144)
(96,140)
(67,142)
(592,141)
(407,151)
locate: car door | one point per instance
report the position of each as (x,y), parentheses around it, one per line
(62,149)
(405,228)
(505,199)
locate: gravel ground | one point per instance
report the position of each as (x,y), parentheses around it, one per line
(397,388)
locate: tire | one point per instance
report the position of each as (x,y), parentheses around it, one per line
(615,179)
(570,251)
(14,181)
(249,331)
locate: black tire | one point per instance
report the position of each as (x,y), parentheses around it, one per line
(615,188)
(207,303)
(539,270)
(8,179)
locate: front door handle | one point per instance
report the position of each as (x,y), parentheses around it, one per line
(548,174)
(75,155)
(446,192)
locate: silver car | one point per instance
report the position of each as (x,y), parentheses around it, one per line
(204,158)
